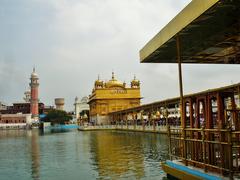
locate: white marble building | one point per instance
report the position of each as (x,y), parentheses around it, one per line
(80,105)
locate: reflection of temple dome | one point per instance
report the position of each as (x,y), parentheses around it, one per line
(114,82)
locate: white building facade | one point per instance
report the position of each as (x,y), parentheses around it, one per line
(80,105)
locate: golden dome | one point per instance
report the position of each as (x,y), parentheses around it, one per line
(135,82)
(113,82)
(98,83)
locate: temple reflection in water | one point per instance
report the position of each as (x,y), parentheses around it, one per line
(113,158)
(116,156)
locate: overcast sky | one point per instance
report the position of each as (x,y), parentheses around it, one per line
(70,42)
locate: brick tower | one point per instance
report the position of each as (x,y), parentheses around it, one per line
(34,95)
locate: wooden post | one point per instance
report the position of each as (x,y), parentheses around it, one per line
(180,78)
(209,125)
(239,96)
(220,126)
(191,125)
(169,142)
(204,147)
(234,112)
(230,154)
(181,96)
(195,134)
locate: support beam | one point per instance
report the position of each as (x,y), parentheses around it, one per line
(180,79)
(183,123)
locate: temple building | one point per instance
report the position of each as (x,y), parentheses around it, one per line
(22,108)
(21,114)
(80,106)
(3,106)
(111,96)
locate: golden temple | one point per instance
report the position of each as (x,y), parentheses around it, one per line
(111,96)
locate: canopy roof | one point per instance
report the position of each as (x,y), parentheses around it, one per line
(209,32)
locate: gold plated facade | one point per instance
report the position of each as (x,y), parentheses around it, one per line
(111,96)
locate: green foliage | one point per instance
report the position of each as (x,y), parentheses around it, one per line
(57,117)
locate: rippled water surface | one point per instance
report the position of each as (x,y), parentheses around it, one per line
(81,155)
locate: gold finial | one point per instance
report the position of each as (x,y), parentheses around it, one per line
(113,77)
(134,76)
(98,77)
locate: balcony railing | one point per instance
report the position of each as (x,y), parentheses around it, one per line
(210,149)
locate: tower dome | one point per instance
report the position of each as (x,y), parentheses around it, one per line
(76,99)
(98,83)
(34,74)
(85,99)
(135,83)
(114,82)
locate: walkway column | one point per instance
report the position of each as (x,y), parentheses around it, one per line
(181,95)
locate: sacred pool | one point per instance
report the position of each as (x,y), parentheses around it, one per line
(81,155)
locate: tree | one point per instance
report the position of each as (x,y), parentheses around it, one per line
(57,117)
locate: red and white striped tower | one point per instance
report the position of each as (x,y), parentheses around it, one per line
(34,95)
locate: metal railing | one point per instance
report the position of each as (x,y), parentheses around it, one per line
(147,128)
